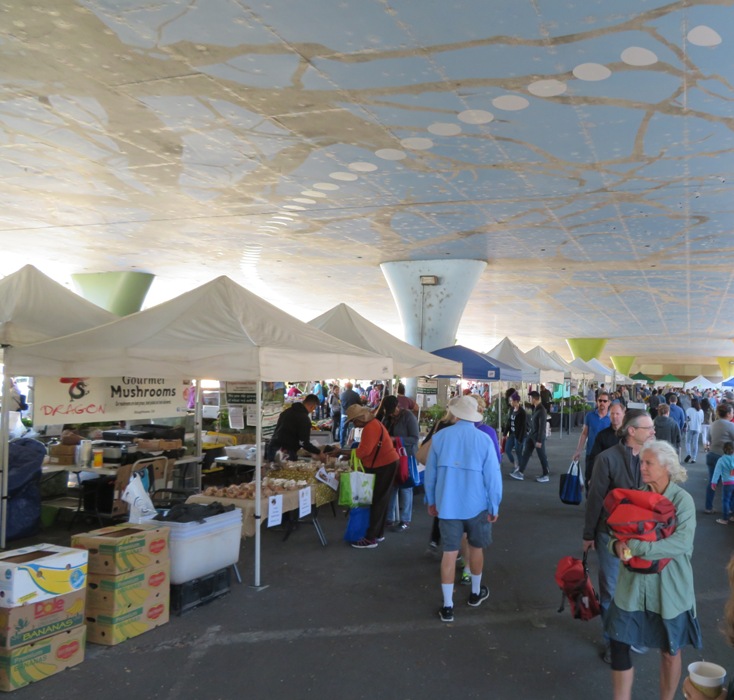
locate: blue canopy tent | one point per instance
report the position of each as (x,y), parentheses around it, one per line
(480,367)
(507,372)
(728,382)
(475,365)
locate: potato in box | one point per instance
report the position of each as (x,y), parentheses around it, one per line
(111,630)
(121,548)
(33,621)
(39,572)
(38,660)
(115,595)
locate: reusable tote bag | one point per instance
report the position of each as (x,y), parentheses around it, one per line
(403,472)
(415,476)
(357,524)
(570,486)
(356,487)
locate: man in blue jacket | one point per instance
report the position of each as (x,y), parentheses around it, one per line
(463,486)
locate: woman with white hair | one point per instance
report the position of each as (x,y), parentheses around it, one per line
(656,610)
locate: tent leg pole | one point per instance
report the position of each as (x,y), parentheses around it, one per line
(4,439)
(258,478)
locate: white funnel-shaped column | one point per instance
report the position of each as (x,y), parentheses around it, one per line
(431,296)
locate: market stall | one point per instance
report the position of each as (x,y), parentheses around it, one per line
(345,323)
(34,308)
(218,330)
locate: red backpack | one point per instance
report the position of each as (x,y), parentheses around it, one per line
(572,577)
(640,515)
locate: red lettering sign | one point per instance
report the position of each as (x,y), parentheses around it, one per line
(48,607)
(72,410)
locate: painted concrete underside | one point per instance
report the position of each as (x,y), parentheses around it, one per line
(582,150)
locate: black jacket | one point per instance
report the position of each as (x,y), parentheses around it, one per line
(604,440)
(538,421)
(293,430)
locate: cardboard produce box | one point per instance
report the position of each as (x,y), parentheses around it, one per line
(121,548)
(38,660)
(115,595)
(40,572)
(62,450)
(113,629)
(34,621)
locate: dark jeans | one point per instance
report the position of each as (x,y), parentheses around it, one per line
(384,481)
(336,417)
(527,451)
(513,445)
(711,459)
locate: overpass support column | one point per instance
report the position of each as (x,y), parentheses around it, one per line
(586,348)
(122,293)
(431,296)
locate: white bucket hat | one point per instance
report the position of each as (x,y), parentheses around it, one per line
(465,408)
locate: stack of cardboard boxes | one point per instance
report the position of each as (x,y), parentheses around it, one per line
(42,598)
(129,580)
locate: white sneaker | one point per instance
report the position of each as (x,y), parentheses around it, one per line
(543,479)
(517,474)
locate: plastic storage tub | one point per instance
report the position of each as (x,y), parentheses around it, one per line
(201,548)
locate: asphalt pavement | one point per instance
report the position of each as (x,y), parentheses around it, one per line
(339,622)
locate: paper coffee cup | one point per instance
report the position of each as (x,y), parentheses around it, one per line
(707,677)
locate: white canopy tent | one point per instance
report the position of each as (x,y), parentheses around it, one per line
(601,370)
(700,382)
(611,372)
(219,330)
(572,370)
(585,367)
(34,308)
(550,370)
(506,351)
(345,323)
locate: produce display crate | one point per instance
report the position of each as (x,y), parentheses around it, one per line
(199,591)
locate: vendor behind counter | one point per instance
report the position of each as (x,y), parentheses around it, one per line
(293,431)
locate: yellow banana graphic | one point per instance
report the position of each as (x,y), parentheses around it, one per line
(56,581)
(76,607)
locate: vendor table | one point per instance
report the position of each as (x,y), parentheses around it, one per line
(237,468)
(184,463)
(320,494)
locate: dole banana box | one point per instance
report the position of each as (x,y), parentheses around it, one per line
(40,572)
(115,595)
(121,548)
(38,620)
(113,629)
(38,660)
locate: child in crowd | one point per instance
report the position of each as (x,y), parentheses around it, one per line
(724,470)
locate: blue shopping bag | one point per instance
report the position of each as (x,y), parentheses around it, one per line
(570,485)
(357,524)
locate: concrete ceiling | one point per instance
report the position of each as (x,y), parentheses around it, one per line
(583,149)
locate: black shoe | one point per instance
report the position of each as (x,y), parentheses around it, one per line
(446,614)
(476,599)
(687,459)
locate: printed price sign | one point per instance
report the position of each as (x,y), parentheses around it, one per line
(275,510)
(304,502)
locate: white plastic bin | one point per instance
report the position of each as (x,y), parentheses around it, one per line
(198,549)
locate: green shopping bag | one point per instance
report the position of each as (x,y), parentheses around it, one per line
(356,487)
